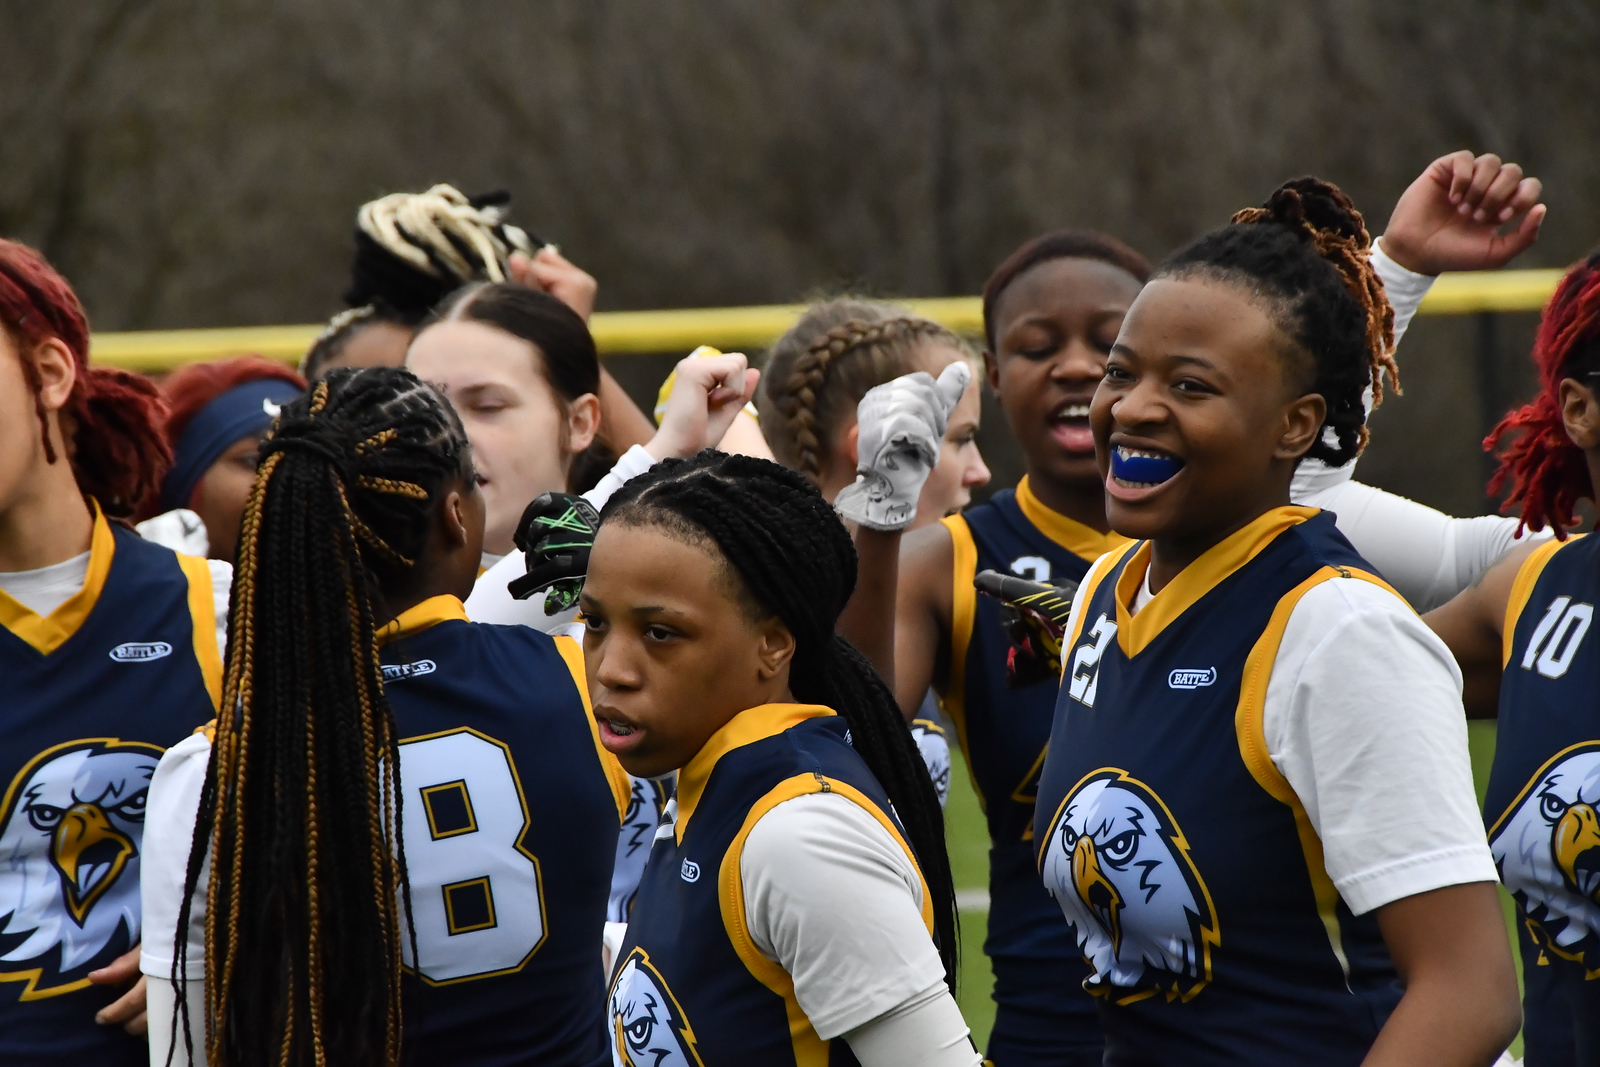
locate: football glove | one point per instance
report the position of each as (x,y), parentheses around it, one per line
(1034,617)
(555,535)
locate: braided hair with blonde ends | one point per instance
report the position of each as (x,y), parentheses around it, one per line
(826,382)
(307,903)
(1306,253)
(790,556)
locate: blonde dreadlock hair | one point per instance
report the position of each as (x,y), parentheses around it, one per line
(308,879)
(414,249)
(807,392)
(1307,253)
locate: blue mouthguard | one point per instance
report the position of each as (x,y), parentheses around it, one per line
(1143,468)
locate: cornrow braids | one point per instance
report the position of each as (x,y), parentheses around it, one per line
(1307,253)
(816,392)
(794,559)
(307,901)
(1548,473)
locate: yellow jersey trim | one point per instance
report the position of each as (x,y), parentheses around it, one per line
(809,1049)
(746,728)
(621,784)
(1135,632)
(203,610)
(1086,591)
(1522,589)
(1070,534)
(963,616)
(418,617)
(1248,724)
(49,632)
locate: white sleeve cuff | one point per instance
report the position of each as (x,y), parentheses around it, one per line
(1462,865)
(1405,288)
(632,463)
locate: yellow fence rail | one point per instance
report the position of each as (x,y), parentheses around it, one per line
(622,333)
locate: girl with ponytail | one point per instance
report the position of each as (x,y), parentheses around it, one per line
(108,654)
(396,843)
(1522,639)
(1252,722)
(1052,310)
(799,908)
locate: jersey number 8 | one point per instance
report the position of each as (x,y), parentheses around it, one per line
(476,897)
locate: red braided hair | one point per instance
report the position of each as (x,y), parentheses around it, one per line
(112,417)
(1548,473)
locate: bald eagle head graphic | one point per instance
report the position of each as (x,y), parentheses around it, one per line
(1119,867)
(69,860)
(1548,850)
(647,1025)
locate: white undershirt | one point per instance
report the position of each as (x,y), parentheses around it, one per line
(836,902)
(1363,717)
(45,589)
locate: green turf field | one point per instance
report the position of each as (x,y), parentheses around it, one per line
(969,858)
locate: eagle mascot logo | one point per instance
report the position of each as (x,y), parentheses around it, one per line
(647,1025)
(69,862)
(1547,847)
(1119,867)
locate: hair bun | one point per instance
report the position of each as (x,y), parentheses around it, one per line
(1317,210)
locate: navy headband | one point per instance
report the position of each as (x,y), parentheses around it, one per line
(243,411)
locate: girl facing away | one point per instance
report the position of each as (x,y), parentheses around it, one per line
(1521,637)
(1251,720)
(374,876)
(798,906)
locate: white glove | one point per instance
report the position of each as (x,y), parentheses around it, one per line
(901,424)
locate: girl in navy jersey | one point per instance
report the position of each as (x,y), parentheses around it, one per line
(1256,811)
(407,823)
(798,909)
(1522,639)
(1051,313)
(108,654)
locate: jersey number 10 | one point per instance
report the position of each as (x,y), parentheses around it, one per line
(1556,639)
(476,897)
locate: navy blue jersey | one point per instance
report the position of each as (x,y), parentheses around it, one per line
(1543,802)
(93,694)
(1183,860)
(1003,733)
(511,812)
(690,989)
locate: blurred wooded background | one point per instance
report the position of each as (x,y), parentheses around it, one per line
(196,163)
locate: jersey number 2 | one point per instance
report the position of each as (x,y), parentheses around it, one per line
(1557,637)
(1086,662)
(476,897)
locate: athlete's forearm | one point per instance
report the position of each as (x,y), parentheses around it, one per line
(1460,1006)
(622,424)
(868,619)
